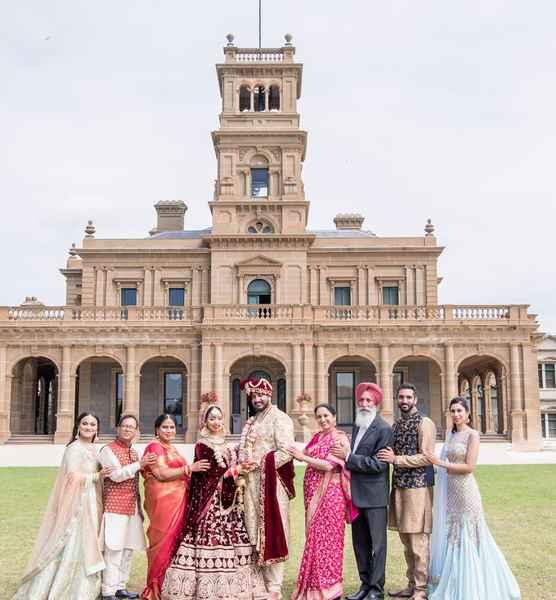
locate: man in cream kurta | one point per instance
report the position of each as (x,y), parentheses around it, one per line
(122,526)
(412,489)
(271,430)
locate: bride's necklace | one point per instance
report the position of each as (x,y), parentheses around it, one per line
(218,446)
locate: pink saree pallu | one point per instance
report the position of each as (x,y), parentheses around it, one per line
(165,504)
(328,507)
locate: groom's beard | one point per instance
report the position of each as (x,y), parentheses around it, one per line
(365,416)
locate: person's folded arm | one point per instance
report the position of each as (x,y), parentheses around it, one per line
(370,464)
(427,438)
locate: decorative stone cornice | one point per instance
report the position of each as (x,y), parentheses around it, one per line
(225,242)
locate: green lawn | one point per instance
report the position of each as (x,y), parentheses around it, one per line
(520,502)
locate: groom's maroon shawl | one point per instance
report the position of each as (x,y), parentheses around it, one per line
(272,537)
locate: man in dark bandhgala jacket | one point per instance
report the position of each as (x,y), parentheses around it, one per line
(369,490)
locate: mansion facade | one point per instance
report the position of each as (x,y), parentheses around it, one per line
(150,324)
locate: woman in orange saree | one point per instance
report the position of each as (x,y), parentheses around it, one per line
(166,494)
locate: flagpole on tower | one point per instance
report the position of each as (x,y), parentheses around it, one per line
(260,27)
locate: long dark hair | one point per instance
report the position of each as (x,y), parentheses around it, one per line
(75,432)
(462,402)
(160,419)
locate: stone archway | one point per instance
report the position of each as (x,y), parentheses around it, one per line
(99,388)
(34,397)
(255,366)
(485,381)
(425,374)
(344,374)
(163,389)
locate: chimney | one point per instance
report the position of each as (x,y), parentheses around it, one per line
(170,216)
(349,221)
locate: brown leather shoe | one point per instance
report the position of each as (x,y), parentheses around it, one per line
(405,593)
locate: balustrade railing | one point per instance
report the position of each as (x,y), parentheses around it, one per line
(256,55)
(213,313)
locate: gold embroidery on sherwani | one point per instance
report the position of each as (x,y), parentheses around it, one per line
(274,433)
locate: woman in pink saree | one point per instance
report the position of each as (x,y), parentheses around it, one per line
(166,494)
(328,506)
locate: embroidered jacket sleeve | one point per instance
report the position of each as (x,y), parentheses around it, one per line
(284,437)
(427,438)
(108,459)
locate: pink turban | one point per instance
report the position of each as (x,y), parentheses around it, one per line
(373,388)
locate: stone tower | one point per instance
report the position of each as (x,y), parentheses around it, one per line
(259,146)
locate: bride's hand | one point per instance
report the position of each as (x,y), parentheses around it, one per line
(295,452)
(200,465)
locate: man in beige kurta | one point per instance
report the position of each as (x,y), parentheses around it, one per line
(412,489)
(270,430)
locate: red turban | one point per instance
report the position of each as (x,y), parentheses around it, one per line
(373,388)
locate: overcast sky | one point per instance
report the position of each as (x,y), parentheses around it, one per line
(414,109)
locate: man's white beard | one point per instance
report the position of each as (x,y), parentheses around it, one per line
(365,417)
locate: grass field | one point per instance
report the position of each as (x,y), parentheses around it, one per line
(520,503)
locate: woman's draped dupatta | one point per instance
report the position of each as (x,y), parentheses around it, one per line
(351,511)
(439,535)
(68,502)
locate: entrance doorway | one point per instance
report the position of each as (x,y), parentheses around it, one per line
(255,368)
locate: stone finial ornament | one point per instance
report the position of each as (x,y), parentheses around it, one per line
(429,227)
(73,250)
(90,229)
(289,38)
(230,37)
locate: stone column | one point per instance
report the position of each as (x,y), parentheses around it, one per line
(131,397)
(157,288)
(370,286)
(387,411)
(148,288)
(66,399)
(360,286)
(5,395)
(322,388)
(99,287)
(450,383)
(296,370)
(196,286)
(516,412)
(323,296)
(308,372)
(207,377)
(532,407)
(193,395)
(219,380)
(420,285)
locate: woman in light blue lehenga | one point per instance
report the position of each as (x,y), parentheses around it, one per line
(466,563)
(66,562)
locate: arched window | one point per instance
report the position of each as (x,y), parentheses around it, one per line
(259,98)
(259,292)
(244,98)
(274,98)
(260,227)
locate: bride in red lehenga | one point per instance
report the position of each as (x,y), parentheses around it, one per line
(215,558)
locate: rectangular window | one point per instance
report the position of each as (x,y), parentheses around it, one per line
(176,296)
(119,396)
(129,297)
(173,396)
(259,183)
(390,295)
(345,397)
(541,385)
(551,418)
(342,296)
(549,375)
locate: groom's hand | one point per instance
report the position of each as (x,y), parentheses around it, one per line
(386,455)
